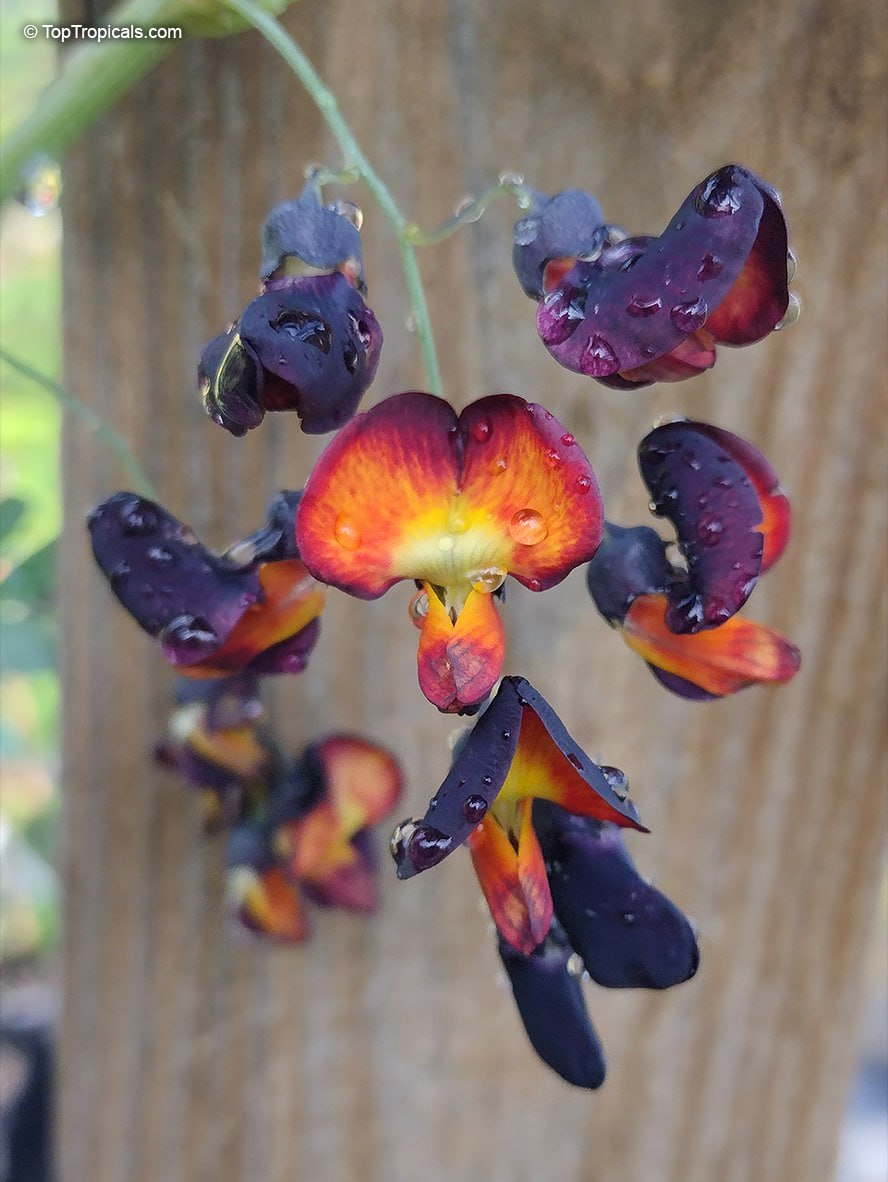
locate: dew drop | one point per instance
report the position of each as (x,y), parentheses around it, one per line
(462,207)
(559,315)
(598,359)
(138,517)
(553,457)
(351,212)
(629,917)
(709,268)
(526,231)
(160,556)
(709,529)
(719,196)
(638,306)
(346,534)
(41,185)
(474,808)
(567,439)
(690,315)
(792,313)
(446,543)
(792,264)
(584,483)
(119,574)
(400,836)
(487,579)
(575,965)
(481,430)
(528,527)
(499,465)
(533,585)
(427,846)
(188,634)
(418,608)
(617,780)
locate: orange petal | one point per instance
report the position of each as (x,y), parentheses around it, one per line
(363,781)
(291,599)
(719,661)
(530,479)
(267,903)
(236,749)
(459,663)
(543,770)
(691,356)
(514,882)
(389,476)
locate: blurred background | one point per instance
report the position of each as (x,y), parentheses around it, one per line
(30,517)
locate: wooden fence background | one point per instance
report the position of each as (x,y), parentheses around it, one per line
(387,1050)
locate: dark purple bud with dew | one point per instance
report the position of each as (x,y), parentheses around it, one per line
(305,344)
(550,1001)
(652,309)
(307,237)
(716,490)
(567,227)
(627,933)
(167,580)
(629,562)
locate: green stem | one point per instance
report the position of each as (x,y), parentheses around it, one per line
(325,101)
(472,210)
(93,77)
(113,439)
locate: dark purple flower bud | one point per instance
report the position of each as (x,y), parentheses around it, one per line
(628,934)
(552,1007)
(307,231)
(566,227)
(652,309)
(305,344)
(628,563)
(250,845)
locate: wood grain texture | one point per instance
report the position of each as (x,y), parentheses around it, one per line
(384,1051)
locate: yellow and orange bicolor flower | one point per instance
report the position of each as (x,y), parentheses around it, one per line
(411,490)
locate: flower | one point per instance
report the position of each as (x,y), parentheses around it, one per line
(313,839)
(542,822)
(308,342)
(411,490)
(631,311)
(732,520)
(253,609)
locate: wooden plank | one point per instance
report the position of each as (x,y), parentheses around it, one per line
(388,1049)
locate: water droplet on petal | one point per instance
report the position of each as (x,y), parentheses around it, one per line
(160,556)
(351,212)
(575,965)
(400,836)
(567,439)
(119,574)
(138,518)
(346,534)
(709,529)
(638,306)
(584,483)
(446,543)
(719,196)
(487,579)
(689,316)
(792,313)
(553,457)
(560,315)
(598,359)
(427,846)
(418,608)
(526,231)
(528,527)
(188,634)
(474,808)
(629,917)
(617,780)
(709,268)
(499,465)
(792,264)
(481,430)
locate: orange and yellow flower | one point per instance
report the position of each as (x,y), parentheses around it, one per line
(411,490)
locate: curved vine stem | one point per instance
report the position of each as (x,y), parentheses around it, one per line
(103,429)
(325,101)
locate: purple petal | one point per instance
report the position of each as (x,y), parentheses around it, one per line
(552,1007)
(639,299)
(172,585)
(680,685)
(568,225)
(696,482)
(307,230)
(276,539)
(628,563)
(230,381)
(628,934)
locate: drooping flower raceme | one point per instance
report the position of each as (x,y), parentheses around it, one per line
(307,342)
(411,490)
(631,311)
(732,523)
(253,609)
(542,822)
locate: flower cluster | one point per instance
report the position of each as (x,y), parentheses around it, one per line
(455,502)
(298,828)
